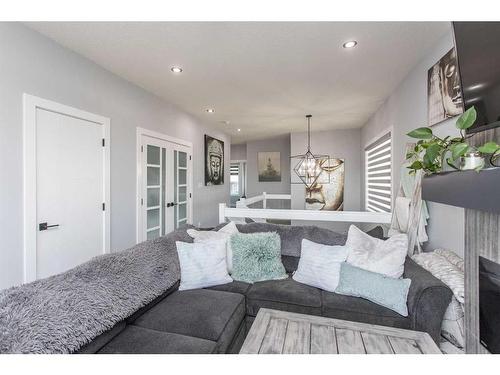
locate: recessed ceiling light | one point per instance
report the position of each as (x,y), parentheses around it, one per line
(210,110)
(176,69)
(239,129)
(350,44)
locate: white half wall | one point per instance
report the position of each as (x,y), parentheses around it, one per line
(31,63)
(404,110)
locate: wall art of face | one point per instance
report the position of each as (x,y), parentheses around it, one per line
(444,95)
(215,164)
(327,194)
(214,159)
(450,84)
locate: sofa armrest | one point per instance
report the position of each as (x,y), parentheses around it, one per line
(428,299)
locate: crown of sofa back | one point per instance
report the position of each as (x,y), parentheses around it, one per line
(292,236)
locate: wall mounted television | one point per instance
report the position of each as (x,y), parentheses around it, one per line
(478,53)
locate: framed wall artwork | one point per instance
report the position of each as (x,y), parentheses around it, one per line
(214,161)
(327,193)
(444,94)
(269,166)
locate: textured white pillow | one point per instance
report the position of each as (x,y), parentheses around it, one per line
(385,257)
(444,270)
(223,234)
(202,264)
(319,265)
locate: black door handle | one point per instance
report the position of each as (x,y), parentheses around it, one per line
(171,204)
(44,226)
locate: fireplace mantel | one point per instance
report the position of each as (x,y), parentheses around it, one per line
(468,189)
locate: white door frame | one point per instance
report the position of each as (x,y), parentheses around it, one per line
(30,105)
(139,173)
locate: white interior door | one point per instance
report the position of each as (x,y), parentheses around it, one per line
(180,197)
(70,190)
(165,186)
(154,192)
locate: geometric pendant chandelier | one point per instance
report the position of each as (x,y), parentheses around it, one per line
(309,167)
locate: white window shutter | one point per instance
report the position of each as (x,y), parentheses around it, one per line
(378,175)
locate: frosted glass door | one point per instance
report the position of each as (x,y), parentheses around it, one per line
(180,188)
(166,192)
(155,191)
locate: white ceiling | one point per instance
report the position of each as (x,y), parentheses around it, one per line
(261,77)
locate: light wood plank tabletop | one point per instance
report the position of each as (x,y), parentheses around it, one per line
(282,332)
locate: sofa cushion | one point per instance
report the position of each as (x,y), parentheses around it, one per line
(96,344)
(234,287)
(290,263)
(147,307)
(138,340)
(287,295)
(377,232)
(207,314)
(360,310)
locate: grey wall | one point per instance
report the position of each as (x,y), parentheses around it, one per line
(342,144)
(254,187)
(239,152)
(33,64)
(405,110)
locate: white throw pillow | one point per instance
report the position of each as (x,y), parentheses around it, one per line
(372,254)
(445,271)
(319,265)
(202,264)
(222,234)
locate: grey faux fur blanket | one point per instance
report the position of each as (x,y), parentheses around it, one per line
(61,313)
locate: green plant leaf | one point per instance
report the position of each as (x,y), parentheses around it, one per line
(417,164)
(458,149)
(489,148)
(467,119)
(431,154)
(421,133)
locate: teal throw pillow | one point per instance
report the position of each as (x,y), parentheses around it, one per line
(376,287)
(257,257)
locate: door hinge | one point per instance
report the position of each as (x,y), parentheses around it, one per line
(103,142)
(189,195)
(189,157)
(104,206)
(142,148)
(142,202)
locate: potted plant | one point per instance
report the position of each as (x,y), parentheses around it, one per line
(431,153)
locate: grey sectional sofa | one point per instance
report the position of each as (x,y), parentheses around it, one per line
(217,319)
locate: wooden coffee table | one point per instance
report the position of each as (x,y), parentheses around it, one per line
(281,332)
